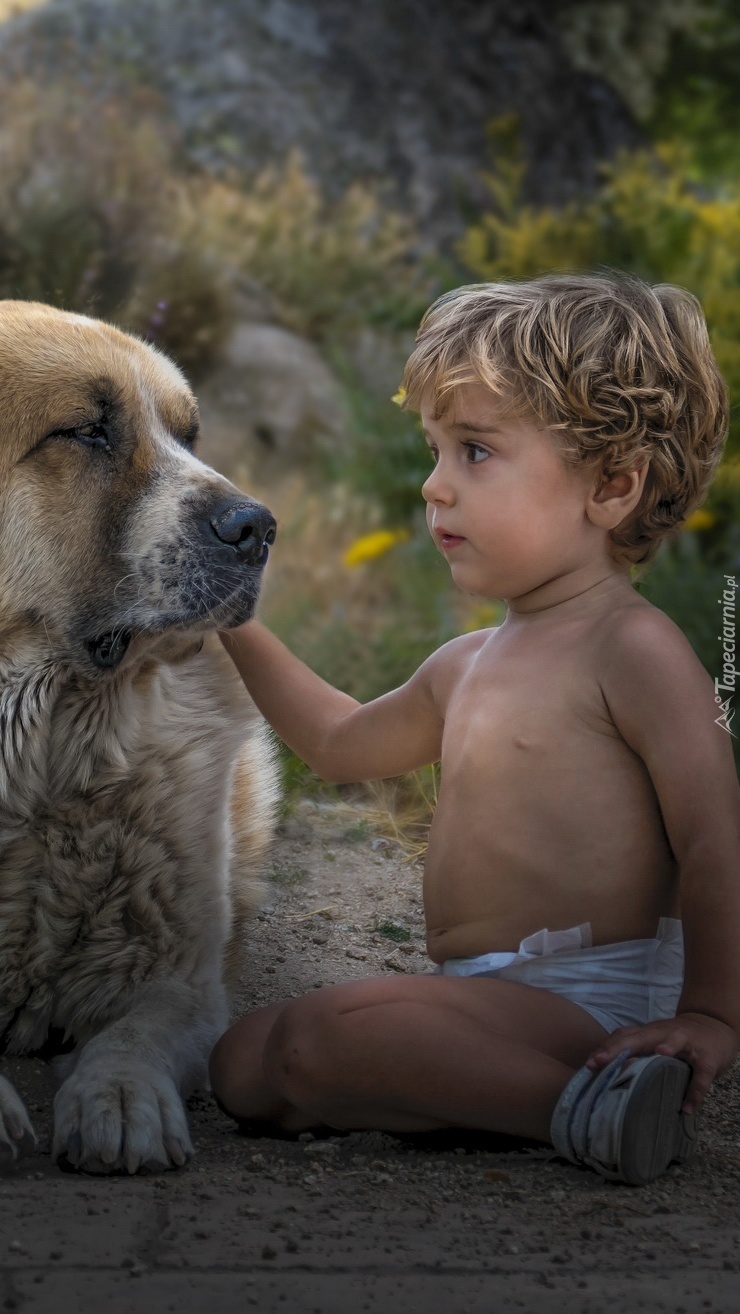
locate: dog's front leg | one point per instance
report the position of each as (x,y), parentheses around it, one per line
(121,1109)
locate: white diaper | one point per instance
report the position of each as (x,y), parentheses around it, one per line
(623,984)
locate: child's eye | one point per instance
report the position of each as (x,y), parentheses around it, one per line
(476,453)
(433,452)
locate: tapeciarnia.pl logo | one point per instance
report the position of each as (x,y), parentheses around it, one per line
(726,684)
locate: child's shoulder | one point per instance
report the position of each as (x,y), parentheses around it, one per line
(447,664)
(638,632)
(462,648)
(641,653)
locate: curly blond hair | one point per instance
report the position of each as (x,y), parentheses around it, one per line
(622,371)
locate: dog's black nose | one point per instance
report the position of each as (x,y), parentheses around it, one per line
(246,526)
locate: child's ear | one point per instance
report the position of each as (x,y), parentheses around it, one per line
(615,496)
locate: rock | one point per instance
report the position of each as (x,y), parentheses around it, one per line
(398,92)
(395,964)
(271,403)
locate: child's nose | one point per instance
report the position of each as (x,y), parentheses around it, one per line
(437,488)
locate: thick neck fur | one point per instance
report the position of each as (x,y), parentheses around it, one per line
(60,734)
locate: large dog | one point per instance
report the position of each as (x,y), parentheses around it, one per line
(136,779)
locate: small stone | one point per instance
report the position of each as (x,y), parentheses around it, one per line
(320,939)
(269,1253)
(18,1247)
(356,953)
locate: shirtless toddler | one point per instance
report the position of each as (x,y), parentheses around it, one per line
(587,833)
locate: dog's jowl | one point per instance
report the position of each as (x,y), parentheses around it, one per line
(137,782)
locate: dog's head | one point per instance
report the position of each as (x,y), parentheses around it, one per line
(112,533)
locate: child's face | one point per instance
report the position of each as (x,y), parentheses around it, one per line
(502,506)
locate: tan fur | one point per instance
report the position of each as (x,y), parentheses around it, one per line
(136,801)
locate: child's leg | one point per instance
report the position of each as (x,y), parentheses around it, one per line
(407,1054)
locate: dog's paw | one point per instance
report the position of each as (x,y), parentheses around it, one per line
(17,1136)
(132,1121)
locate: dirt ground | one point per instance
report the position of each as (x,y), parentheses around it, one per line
(364,1222)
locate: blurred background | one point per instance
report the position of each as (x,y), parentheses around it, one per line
(274,190)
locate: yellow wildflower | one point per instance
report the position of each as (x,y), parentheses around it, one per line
(700,520)
(399,397)
(373,545)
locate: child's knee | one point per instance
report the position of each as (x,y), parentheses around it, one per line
(300,1055)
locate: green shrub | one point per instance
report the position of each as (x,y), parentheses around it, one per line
(648,218)
(328,266)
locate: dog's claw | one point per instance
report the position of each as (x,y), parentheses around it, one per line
(26,1143)
(176,1151)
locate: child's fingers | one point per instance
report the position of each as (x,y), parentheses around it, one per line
(639,1040)
(704,1068)
(701,1081)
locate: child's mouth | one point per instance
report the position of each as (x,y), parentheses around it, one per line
(448,541)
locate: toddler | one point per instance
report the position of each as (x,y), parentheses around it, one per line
(587,833)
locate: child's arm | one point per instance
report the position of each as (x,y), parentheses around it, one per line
(663,704)
(340,739)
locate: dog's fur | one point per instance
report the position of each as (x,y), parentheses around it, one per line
(136,796)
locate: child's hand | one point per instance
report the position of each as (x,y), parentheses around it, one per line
(710,1046)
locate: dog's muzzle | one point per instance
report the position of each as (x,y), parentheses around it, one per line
(219,559)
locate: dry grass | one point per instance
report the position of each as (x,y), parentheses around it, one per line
(401,810)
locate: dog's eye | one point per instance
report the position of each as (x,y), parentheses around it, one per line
(190,437)
(90,435)
(93,435)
